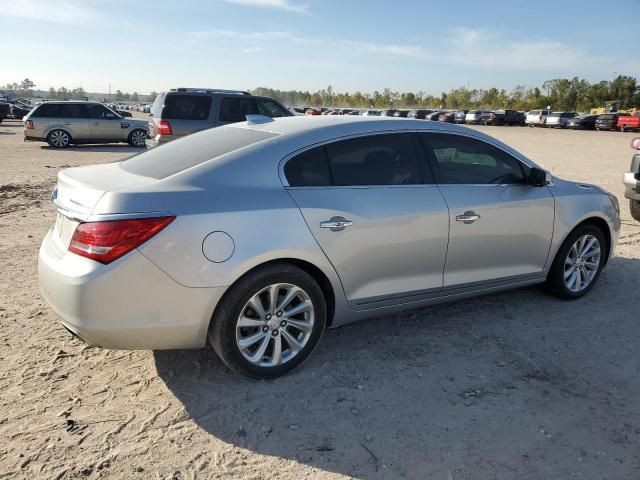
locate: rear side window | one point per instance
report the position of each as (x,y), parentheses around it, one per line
(464,160)
(186,107)
(376,160)
(236,109)
(271,109)
(47,110)
(174,157)
(309,169)
(73,110)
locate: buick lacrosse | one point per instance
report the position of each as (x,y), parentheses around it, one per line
(259,235)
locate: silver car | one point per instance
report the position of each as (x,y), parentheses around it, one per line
(261,234)
(64,123)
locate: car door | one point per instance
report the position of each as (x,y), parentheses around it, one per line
(104,124)
(73,119)
(501,226)
(371,204)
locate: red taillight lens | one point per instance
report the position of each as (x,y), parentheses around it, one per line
(28,124)
(105,242)
(164,128)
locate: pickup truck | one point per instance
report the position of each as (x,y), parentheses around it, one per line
(629,122)
(5,110)
(631,180)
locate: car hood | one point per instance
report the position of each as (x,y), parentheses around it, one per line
(134,121)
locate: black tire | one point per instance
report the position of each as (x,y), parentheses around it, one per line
(555,279)
(135,136)
(634,207)
(59,138)
(222,331)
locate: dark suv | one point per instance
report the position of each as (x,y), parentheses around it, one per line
(182,111)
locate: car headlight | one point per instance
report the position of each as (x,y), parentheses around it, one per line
(615,202)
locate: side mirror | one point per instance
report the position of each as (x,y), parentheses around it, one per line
(537,177)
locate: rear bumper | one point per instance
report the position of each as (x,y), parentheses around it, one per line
(631,186)
(129,304)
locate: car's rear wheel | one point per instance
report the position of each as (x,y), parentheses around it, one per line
(59,139)
(269,322)
(137,138)
(634,207)
(578,263)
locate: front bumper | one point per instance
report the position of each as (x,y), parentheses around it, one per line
(128,304)
(631,186)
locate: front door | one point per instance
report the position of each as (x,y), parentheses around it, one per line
(104,124)
(371,204)
(501,227)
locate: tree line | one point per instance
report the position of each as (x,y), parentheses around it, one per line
(564,94)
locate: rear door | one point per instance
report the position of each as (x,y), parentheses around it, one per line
(104,125)
(501,227)
(371,204)
(73,118)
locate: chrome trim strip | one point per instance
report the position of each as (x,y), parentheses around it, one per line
(105,217)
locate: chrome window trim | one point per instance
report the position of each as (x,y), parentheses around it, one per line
(283,178)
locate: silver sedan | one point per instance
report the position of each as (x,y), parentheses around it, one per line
(259,235)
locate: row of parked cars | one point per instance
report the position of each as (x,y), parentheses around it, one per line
(533,118)
(16,110)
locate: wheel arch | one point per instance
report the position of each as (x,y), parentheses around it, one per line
(312,270)
(597,221)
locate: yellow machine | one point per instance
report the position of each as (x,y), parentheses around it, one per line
(613,106)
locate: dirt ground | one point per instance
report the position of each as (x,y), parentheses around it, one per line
(516,385)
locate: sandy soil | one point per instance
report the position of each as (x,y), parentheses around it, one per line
(513,385)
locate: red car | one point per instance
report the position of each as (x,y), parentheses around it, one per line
(313,111)
(629,122)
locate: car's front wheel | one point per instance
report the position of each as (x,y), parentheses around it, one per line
(137,138)
(59,139)
(269,322)
(578,263)
(634,207)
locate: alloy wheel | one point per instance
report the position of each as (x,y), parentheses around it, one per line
(138,138)
(59,138)
(275,325)
(582,263)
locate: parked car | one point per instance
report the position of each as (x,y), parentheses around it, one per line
(433,116)
(629,122)
(175,246)
(537,118)
(5,110)
(446,117)
(183,111)
(583,122)
(503,117)
(19,110)
(631,180)
(474,117)
(608,121)
(419,114)
(61,124)
(559,119)
(401,113)
(388,113)
(460,116)
(313,111)
(371,113)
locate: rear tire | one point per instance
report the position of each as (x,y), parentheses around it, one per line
(574,261)
(281,340)
(634,207)
(59,139)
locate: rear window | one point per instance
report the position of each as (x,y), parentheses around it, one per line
(174,157)
(606,117)
(556,114)
(534,112)
(186,107)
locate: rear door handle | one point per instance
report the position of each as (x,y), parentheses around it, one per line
(336,224)
(468,217)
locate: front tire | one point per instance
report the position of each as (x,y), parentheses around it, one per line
(578,263)
(634,207)
(137,138)
(59,139)
(269,322)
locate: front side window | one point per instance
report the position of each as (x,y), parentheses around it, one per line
(236,109)
(73,110)
(186,107)
(271,109)
(99,112)
(464,160)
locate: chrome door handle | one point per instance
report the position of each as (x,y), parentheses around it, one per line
(468,217)
(336,224)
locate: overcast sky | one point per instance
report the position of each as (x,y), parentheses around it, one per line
(406,45)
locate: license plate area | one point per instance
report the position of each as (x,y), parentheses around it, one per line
(64,229)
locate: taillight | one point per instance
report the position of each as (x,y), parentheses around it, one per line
(107,241)
(164,128)
(28,124)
